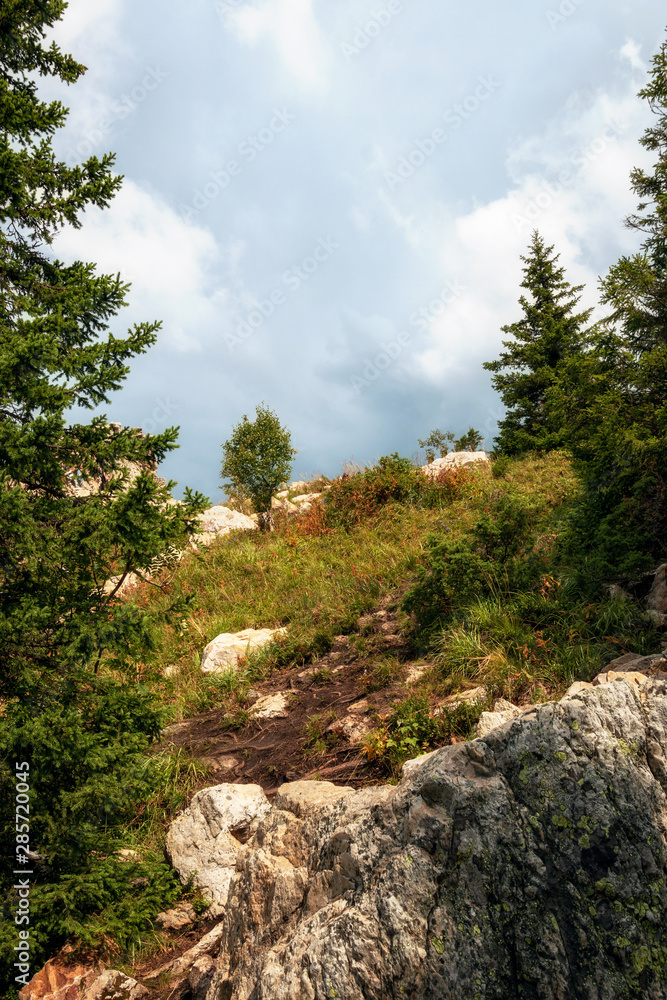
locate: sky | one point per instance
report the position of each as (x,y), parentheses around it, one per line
(326,203)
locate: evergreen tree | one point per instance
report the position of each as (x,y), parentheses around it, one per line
(550,331)
(614,397)
(73,708)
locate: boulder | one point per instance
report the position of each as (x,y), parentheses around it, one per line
(225,651)
(503,711)
(221,520)
(202,843)
(112,985)
(61,979)
(455,460)
(178,918)
(529,863)
(271,706)
(657,596)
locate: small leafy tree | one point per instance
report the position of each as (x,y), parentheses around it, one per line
(470,441)
(257,459)
(550,332)
(436,441)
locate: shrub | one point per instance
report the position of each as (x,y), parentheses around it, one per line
(393,480)
(497,555)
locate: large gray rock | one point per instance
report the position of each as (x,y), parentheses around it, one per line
(657,597)
(203,842)
(530,863)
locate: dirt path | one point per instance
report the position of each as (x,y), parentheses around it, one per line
(330,706)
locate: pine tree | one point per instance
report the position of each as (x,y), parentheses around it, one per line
(57,550)
(550,331)
(614,397)
(73,706)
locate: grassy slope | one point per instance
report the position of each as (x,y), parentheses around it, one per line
(527,646)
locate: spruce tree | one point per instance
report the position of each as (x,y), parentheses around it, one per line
(550,331)
(74,710)
(614,397)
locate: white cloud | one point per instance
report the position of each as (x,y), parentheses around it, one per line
(292,28)
(572,183)
(167,260)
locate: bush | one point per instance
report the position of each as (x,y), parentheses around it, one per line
(496,556)
(394,480)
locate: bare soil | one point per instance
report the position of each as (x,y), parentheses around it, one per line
(341,687)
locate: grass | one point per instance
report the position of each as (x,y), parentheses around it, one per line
(317,575)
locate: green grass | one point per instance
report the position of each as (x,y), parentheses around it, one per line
(316,576)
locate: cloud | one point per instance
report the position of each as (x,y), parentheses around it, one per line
(168,261)
(571,182)
(292,28)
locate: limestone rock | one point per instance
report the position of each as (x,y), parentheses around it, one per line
(224,652)
(203,841)
(220,520)
(61,979)
(284,505)
(112,985)
(503,711)
(657,597)
(529,863)
(306,498)
(180,968)
(455,460)
(177,918)
(271,706)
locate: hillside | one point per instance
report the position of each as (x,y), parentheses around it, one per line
(361,678)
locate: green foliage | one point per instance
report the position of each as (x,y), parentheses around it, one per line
(413,728)
(613,398)
(437,441)
(549,333)
(469,441)
(353,499)
(71,704)
(257,459)
(496,555)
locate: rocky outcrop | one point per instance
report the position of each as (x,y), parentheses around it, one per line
(220,520)
(225,651)
(64,980)
(203,842)
(530,863)
(455,460)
